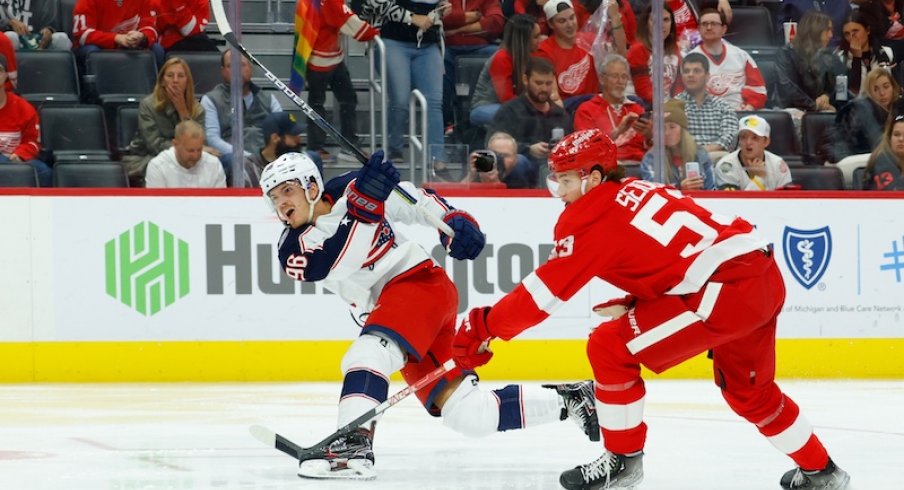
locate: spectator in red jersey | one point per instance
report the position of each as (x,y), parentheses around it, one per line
(500,80)
(471,28)
(114,24)
(19,133)
(181,24)
(640,57)
(327,70)
(616,116)
(734,77)
(9,53)
(575,76)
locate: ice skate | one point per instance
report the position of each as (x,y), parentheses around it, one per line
(829,478)
(609,471)
(580,406)
(350,457)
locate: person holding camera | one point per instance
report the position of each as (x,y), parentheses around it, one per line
(500,162)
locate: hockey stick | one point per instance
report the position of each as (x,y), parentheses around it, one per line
(219,14)
(300,453)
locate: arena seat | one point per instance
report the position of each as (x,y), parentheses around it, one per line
(48,77)
(92,174)
(116,77)
(750,26)
(126,126)
(74,133)
(857,182)
(817,131)
(18,176)
(205,69)
(818,178)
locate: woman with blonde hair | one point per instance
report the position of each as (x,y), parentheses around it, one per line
(859,124)
(171,102)
(885,168)
(680,148)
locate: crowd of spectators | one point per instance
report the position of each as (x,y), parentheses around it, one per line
(551,67)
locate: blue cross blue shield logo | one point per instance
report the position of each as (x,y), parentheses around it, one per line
(807,253)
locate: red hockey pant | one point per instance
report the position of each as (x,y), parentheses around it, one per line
(417,309)
(734,314)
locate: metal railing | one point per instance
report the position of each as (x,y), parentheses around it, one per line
(417,143)
(378,87)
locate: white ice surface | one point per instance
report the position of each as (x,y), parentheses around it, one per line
(195,436)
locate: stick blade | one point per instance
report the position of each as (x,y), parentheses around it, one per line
(263,434)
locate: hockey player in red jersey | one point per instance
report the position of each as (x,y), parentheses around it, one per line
(344,234)
(695,281)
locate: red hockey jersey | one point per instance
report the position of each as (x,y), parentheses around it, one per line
(575,72)
(19,128)
(178,19)
(336,17)
(99,21)
(645,238)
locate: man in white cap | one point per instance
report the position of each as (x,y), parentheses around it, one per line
(751,167)
(575,73)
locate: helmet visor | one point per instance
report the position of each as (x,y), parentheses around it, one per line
(560,184)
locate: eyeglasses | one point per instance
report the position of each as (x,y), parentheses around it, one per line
(710,25)
(621,77)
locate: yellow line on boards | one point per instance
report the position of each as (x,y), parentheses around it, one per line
(319,361)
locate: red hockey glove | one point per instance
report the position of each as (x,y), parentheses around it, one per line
(615,308)
(471,345)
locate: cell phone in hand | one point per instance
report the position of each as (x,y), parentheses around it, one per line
(692,170)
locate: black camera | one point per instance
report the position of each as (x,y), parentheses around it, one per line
(486,160)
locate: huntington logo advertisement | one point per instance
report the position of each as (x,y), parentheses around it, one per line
(146,268)
(807,253)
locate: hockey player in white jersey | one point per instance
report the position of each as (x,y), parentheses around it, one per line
(343,233)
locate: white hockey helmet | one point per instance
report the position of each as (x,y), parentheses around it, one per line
(291,167)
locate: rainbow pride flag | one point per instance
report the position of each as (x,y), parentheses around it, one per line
(307,25)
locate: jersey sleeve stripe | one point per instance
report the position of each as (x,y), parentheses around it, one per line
(662,331)
(710,259)
(542,296)
(84,36)
(188,27)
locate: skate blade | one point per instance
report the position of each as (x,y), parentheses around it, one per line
(356,469)
(628,484)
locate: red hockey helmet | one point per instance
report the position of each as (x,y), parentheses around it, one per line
(581,150)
